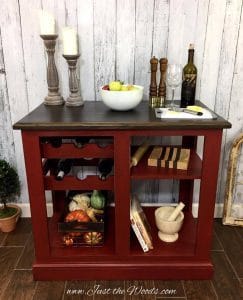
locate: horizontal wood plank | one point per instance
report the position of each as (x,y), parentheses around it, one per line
(21,286)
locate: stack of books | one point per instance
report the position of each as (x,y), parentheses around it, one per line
(140,225)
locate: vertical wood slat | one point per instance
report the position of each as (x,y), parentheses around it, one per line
(227,56)
(233,107)
(37,195)
(160,28)
(201,32)
(10,24)
(211,62)
(86,48)
(143,47)
(122,192)
(104,42)
(182,21)
(125,46)
(7,150)
(212,140)
(33,49)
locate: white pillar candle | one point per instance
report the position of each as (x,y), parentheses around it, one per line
(47,23)
(70,41)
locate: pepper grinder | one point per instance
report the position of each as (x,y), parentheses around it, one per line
(153,84)
(162,85)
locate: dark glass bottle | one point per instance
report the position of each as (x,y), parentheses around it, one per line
(189,79)
(64,166)
(80,141)
(105,167)
(56,142)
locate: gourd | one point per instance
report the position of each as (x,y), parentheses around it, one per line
(77,215)
(79,201)
(97,200)
(68,240)
(93,238)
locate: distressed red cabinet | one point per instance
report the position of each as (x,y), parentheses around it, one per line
(120,257)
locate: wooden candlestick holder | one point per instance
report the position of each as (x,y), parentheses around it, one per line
(53,97)
(74,98)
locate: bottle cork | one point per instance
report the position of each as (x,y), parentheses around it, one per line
(153,84)
(176,212)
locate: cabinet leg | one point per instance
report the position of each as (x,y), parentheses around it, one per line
(36,194)
(208,187)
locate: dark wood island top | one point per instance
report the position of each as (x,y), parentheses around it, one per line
(95,115)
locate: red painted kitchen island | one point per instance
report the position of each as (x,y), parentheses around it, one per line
(120,257)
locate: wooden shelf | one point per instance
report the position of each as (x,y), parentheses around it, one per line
(143,171)
(72,183)
(68,150)
(183,247)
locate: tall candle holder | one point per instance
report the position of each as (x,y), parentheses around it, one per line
(74,98)
(53,97)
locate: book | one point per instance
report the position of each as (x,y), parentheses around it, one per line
(169,157)
(140,224)
(139,236)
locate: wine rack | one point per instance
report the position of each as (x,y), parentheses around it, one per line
(120,256)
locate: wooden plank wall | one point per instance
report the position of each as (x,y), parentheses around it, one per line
(117,40)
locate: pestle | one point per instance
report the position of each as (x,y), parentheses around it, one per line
(176,212)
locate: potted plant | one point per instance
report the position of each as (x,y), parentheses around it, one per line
(9,188)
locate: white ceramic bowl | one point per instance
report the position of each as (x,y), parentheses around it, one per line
(122,100)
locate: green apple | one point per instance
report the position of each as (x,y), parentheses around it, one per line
(115,86)
(124,88)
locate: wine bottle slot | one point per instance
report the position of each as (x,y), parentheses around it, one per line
(105,167)
(64,166)
(81,141)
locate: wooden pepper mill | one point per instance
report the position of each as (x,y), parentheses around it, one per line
(153,84)
(153,97)
(162,85)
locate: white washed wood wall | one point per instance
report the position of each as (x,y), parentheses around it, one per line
(117,39)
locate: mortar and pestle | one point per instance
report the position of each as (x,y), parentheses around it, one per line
(169,220)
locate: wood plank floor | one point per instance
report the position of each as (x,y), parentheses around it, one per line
(16,282)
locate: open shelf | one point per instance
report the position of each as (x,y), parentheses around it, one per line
(68,150)
(143,171)
(68,252)
(183,247)
(72,183)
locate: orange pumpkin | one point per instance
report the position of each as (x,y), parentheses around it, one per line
(68,240)
(75,234)
(77,215)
